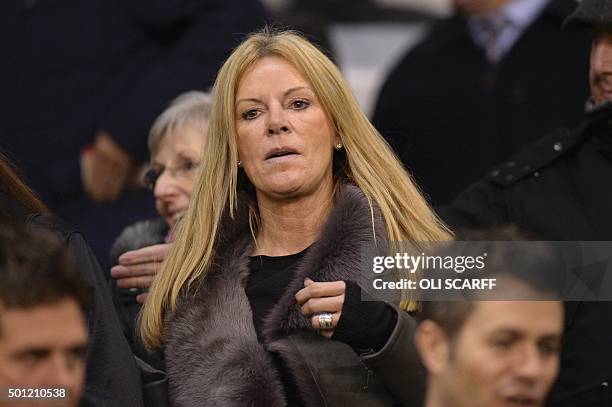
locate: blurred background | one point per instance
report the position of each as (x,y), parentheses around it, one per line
(83,82)
(365,37)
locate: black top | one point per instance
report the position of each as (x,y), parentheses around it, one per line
(364,325)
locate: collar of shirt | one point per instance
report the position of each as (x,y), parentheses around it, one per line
(518,16)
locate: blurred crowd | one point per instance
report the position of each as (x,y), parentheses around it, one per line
(113,116)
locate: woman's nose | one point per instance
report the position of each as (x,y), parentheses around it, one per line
(277,121)
(165,185)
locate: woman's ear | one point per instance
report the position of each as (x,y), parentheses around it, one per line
(433,345)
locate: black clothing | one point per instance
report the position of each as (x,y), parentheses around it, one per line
(141,234)
(451,115)
(590,13)
(557,189)
(75,67)
(269,277)
(112,378)
(365,326)
(151,364)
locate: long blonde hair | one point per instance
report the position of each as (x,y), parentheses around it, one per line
(370,164)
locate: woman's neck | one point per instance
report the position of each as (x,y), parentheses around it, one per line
(289,226)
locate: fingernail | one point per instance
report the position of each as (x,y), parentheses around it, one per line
(117,271)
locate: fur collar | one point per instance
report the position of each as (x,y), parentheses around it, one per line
(211,335)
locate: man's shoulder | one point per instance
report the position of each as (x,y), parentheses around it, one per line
(531,160)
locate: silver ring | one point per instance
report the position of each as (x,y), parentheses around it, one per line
(326,320)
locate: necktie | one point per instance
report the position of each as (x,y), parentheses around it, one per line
(491,28)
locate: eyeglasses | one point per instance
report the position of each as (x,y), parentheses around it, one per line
(185,170)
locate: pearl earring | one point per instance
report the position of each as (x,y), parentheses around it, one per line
(338,146)
(239,164)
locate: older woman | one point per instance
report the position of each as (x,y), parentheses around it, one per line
(259,300)
(175,142)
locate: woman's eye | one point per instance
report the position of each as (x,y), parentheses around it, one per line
(299,104)
(250,114)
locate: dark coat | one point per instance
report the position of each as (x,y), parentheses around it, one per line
(151,364)
(141,234)
(558,189)
(112,377)
(213,356)
(451,115)
(74,67)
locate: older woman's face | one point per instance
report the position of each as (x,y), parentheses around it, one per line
(285,139)
(176,161)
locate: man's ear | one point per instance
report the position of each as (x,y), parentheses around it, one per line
(433,345)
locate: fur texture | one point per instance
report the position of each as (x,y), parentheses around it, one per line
(212,353)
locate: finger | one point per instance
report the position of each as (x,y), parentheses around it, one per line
(135,282)
(119,272)
(155,253)
(141,298)
(137,270)
(327,304)
(314,321)
(316,290)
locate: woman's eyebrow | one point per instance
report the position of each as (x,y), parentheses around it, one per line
(248,100)
(287,92)
(296,89)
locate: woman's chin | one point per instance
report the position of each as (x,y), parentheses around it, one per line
(173,218)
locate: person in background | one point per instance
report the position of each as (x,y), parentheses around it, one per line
(495,348)
(112,376)
(43,328)
(85,81)
(485,82)
(176,141)
(557,189)
(259,301)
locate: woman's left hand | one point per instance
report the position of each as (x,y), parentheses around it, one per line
(317,297)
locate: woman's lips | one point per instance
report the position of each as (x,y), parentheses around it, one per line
(282,158)
(280,152)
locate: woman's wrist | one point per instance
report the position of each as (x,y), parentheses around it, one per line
(365,324)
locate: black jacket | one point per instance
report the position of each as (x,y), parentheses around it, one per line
(112,376)
(73,67)
(558,189)
(136,236)
(451,115)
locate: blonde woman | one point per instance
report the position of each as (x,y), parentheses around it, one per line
(259,301)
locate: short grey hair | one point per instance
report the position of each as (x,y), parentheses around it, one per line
(191,108)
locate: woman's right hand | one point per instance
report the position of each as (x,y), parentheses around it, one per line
(137,268)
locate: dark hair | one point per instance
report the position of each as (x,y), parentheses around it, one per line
(535,264)
(35,270)
(15,196)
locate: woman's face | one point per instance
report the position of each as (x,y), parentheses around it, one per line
(176,162)
(285,139)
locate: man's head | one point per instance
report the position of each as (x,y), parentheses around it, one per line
(596,15)
(43,333)
(491,353)
(488,350)
(601,65)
